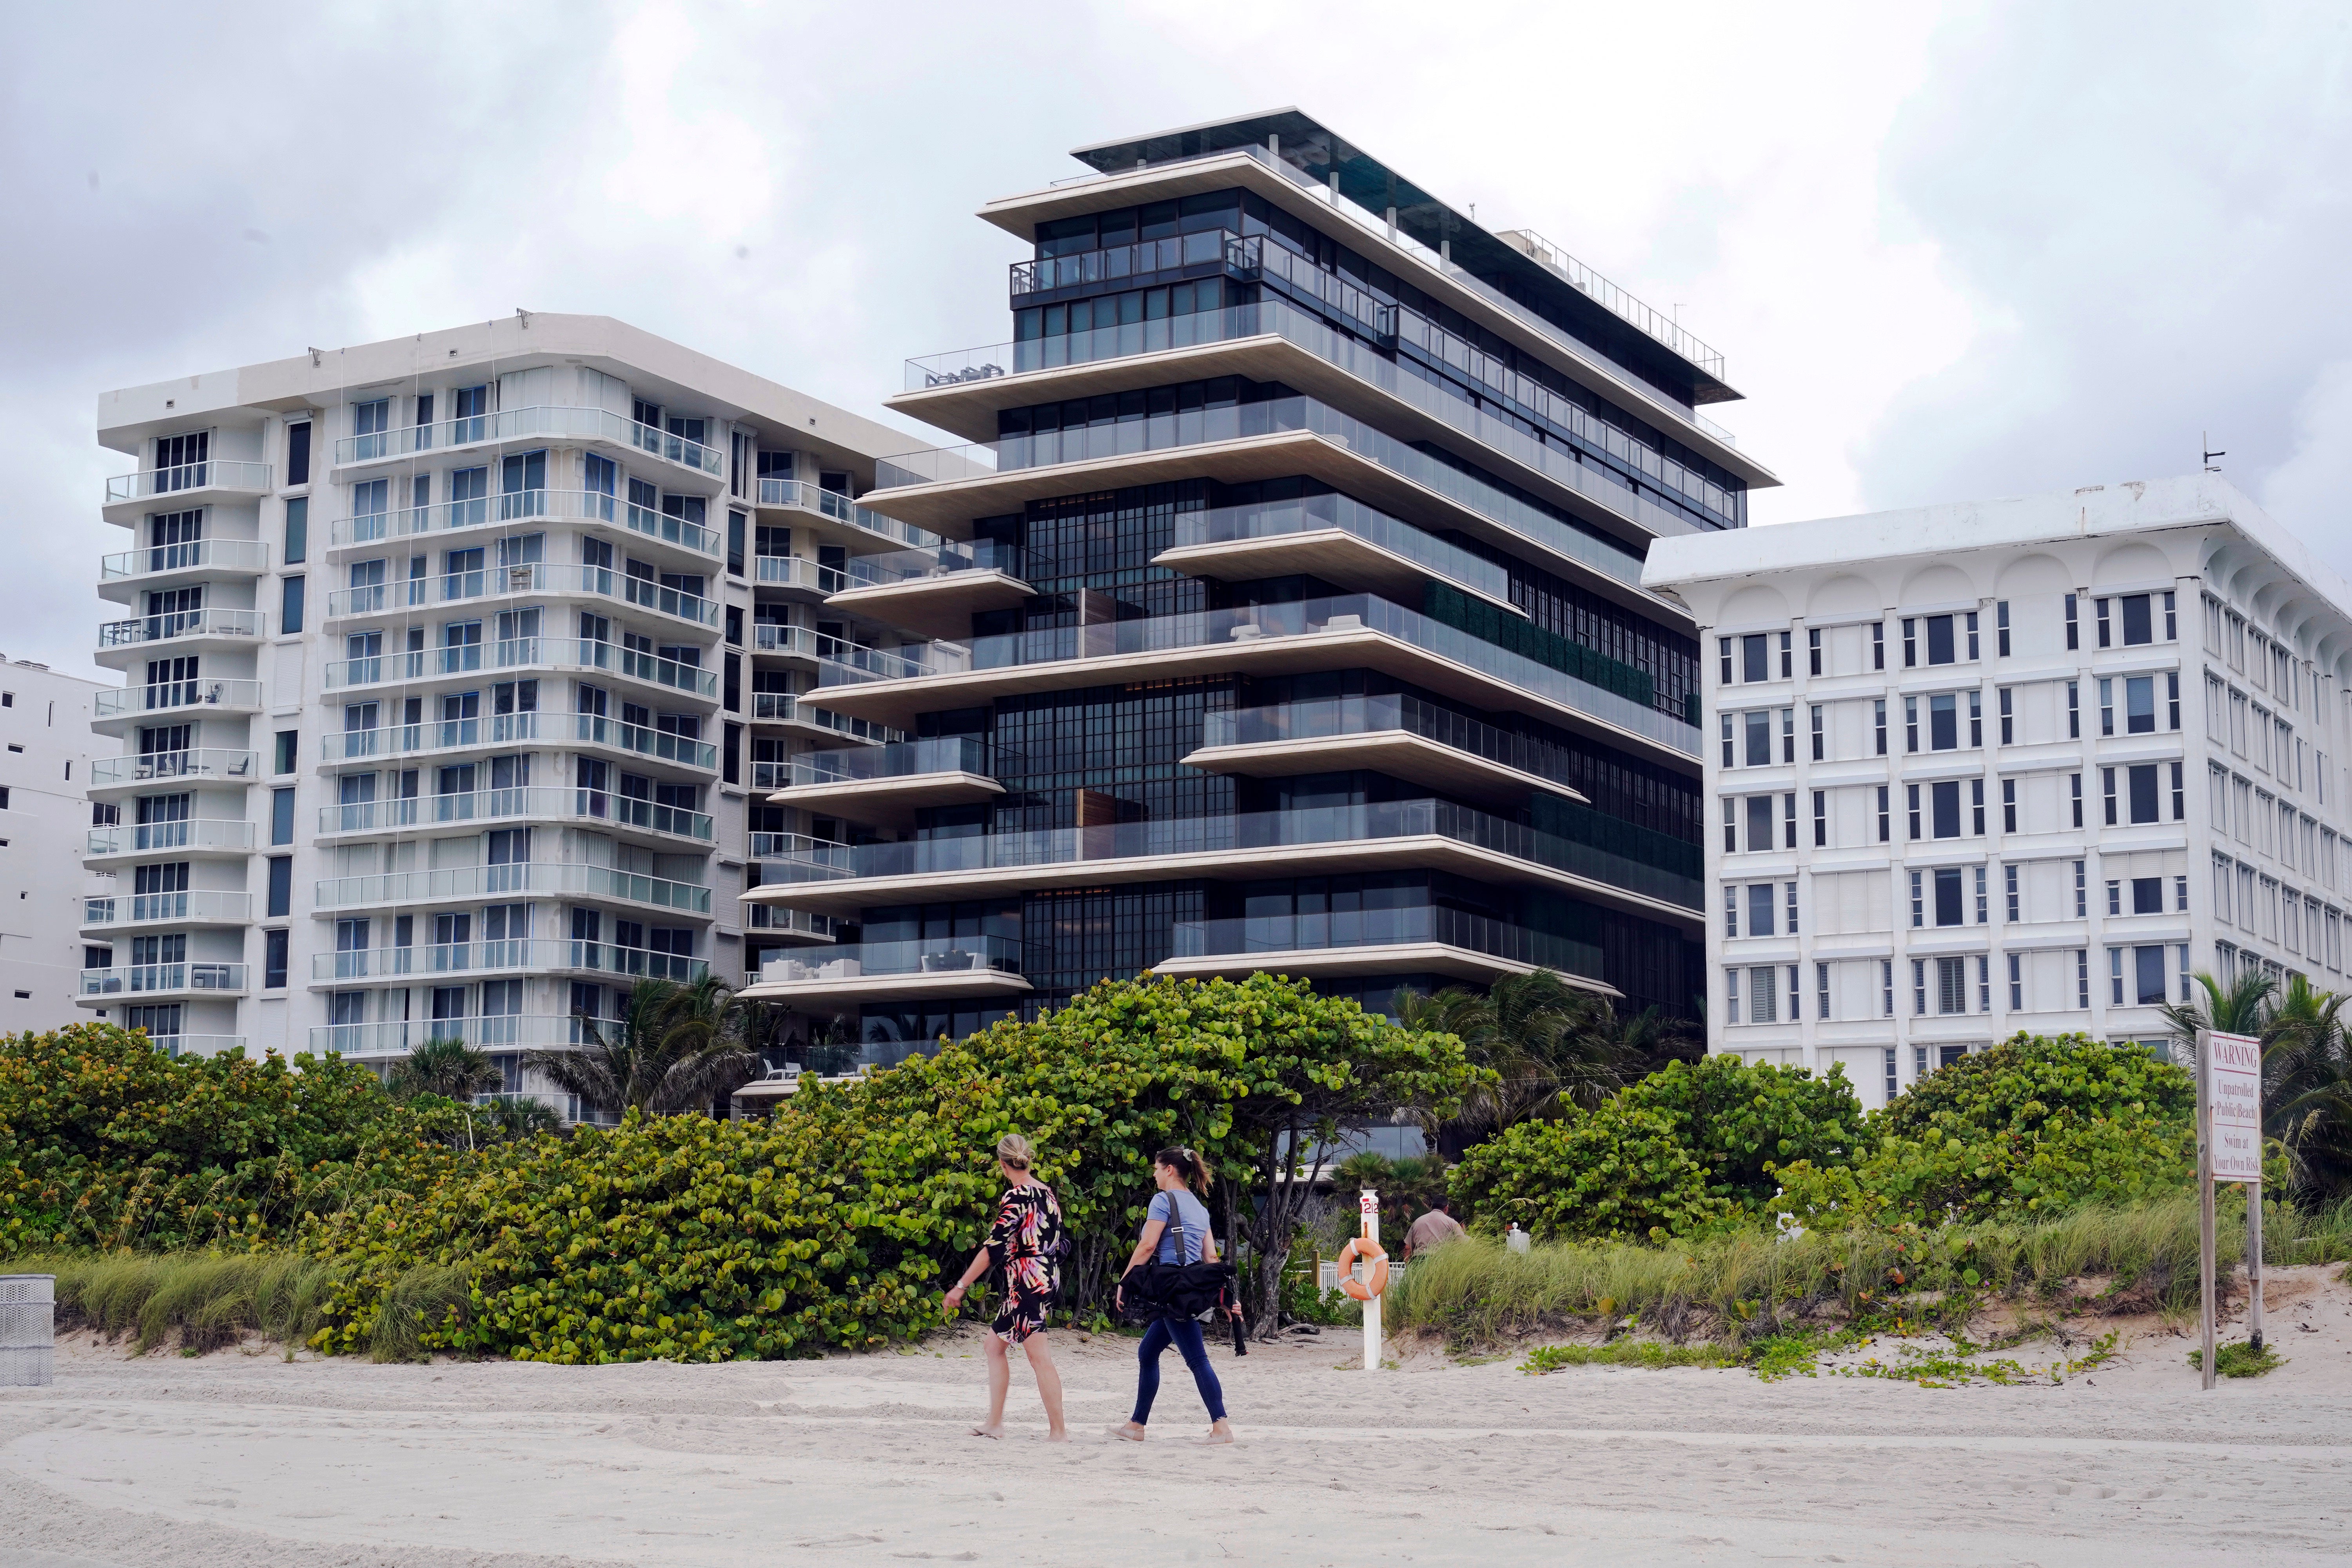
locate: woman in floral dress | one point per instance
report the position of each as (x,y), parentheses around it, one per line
(1026,1242)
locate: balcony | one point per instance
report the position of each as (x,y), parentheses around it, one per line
(503,512)
(793,711)
(159,565)
(1423,939)
(504,957)
(391,1038)
(445,735)
(163,980)
(655,745)
(116,708)
(1400,834)
(1356,631)
(1403,737)
(599,425)
(545,878)
(671,824)
(797,573)
(201,766)
(885,971)
(776,920)
(1196,255)
(193,907)
(1333,537)
(537,578)
(886,785)
(196,1044)
(935,591)
(122,642)
(564,654)
(793,495)
(190,485)
(195,835)
(776,639)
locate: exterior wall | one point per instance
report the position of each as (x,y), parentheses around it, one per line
(2256,826)
(469,578)
(45,722)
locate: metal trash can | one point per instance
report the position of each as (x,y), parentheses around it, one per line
(28,1330)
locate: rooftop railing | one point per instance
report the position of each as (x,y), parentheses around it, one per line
(934,955)
(207,623)
(507,955)
(841,509)
(521,424)
(1384,928)
(541,876)
(943,560)
(190,833)
(543,802)
(522,653)
(904,759)
(136,978)
(210,905)
(536,577)
(505,511)
(202,765)
(248,556)
(216,474)
(113,702)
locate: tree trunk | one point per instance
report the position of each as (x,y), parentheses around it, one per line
(1270,1234)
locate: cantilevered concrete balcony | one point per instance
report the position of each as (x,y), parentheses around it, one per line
(158,983)
(536,581)
(116,711)
(660,679)
(191,838)
(112,778)
(1400,736)
(122,644)
(777,923)
(642,529)
(614,434)
(664,827)
(1332,537)
(797,577)
(507,956)
(190,907)
(828,517)
(890,971)
(935,592)
(1420,939)
(397,1037)
(794,715)
(654,751)
(126,574)
(1397,835)
(1357,632)
(216,482)
(526,878)
(887,786)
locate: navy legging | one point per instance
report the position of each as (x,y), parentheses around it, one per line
(1186,1333)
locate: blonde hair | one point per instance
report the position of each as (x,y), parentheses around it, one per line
(1014,1149)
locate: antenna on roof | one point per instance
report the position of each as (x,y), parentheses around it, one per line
(2205,441)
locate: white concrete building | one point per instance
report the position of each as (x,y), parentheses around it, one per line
(2014,764)
(440,714)
(45,820)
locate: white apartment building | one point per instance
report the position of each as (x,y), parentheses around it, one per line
(442,657)
(2014,764)
(45,819)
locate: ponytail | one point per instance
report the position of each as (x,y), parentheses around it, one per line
(1187,1163)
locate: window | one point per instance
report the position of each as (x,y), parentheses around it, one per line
(1790,899)
(1763,996)
(2142,783)
(1730,826)
(1723,655)
(2180,893)
(1730,912)
(2074,710)
(1976,806)
(273,959)
(298,530)
(1731,994)
(2009,887)
(1949,896)
(2172,700)
(290,607)
(1919,898)
(1758,726)
(2147,971)
(2075,781)
(2008,806)
(1984,903)
(1788,734)
(1891,1089)
(1886,988)
(2000,627)
(1821,818)
(1884,835)
(1760,908)
(1820,991)
(1910,643)
(1976,718)
(1788,669)
(2107,788)
(2180,792)
(1795,1012)
(1910,723)
(2172,622)
(1759,822)
(1730,757)
(2115,976)
(1878,648)
(2139,704)
(2074,631)
(1940,640)
(1911,809)
(286,755)
(2106,706)
(1813,651)
(2008,719)
(1943,722)
(298,453)
(1984,982)
(2187,981)
(282,815)
(2083,977)
(281,885)
(1951,985)
(1972,619)
(1753,665)
(1878,721)
(1788,821)
(1818,732)
(2016,984)
(2082,892)
(2102,607)
(2137,626)
(1946,807)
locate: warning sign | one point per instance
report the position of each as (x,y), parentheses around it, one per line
(2233,1090)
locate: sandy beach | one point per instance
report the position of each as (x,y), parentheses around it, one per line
(242,1457)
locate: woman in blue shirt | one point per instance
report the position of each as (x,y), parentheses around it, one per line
(1188,1240)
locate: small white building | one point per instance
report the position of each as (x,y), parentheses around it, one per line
(45,823)
(2016,764)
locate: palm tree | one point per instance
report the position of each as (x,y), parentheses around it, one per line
(2243,1007)
(451,1069)
(1549,1042)
(2306,1068)
(518,1116)
(674,1048)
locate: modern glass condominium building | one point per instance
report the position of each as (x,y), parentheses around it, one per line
(1285,613)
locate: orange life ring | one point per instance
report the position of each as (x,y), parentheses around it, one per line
(1370,1251)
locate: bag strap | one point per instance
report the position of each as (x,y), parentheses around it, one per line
(1176,1223)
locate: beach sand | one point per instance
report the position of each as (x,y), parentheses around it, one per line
(242,1457)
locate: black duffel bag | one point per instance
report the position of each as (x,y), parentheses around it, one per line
(1156,1289)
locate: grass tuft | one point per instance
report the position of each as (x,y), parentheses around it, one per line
(201,1299)
(2239,1359)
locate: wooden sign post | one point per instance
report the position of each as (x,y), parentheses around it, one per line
(2228,1149)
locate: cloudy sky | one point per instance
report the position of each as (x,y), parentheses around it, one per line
(1948,251)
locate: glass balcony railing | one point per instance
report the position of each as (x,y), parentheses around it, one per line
(158,696)
(775,637)
(943,560)
(442,735)
(202,765)
(1356,613)
(513,953)
(1275,520)
(1284,415)
(523,653)
(193,833)
(790,922)
(542,803)
(783,708)
(142,629)
(776,845)
(1241,938)
(527,505)
(243,556)
(196,1044)
(520,424)
(1332,717)
(137,978)
(945,955)
(797,572)
(841,509)
(211,906)
(537,578)
(507,1031)
(1208,248)
(905,759)
(594,729)
(1240,835)
(544,877)
(218,474)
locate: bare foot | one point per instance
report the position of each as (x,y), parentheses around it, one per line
(1129,1433)
(1219,1433)
(989,1429)
(1057,1437)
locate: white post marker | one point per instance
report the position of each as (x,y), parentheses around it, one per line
(1368,1206)
(2228,1149)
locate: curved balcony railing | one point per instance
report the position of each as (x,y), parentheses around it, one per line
(136,978)
(537,578)
(520,424)
(488,957)
(1240,938)
(202,765)
(943,560)
(1354,612)
(594,729)
(527,505)
(248,557)
(1235,835)
(209,906)
(497,805)
(775,637)
(522,653)
(216,474)
(206,692)
(841,509)
(933,956)
(193,832)
(207,623)
(903,759)
(1273,520)
(509,1031)
(442,735)
(546,876)
(788,922)
(797,572)
(783,708)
